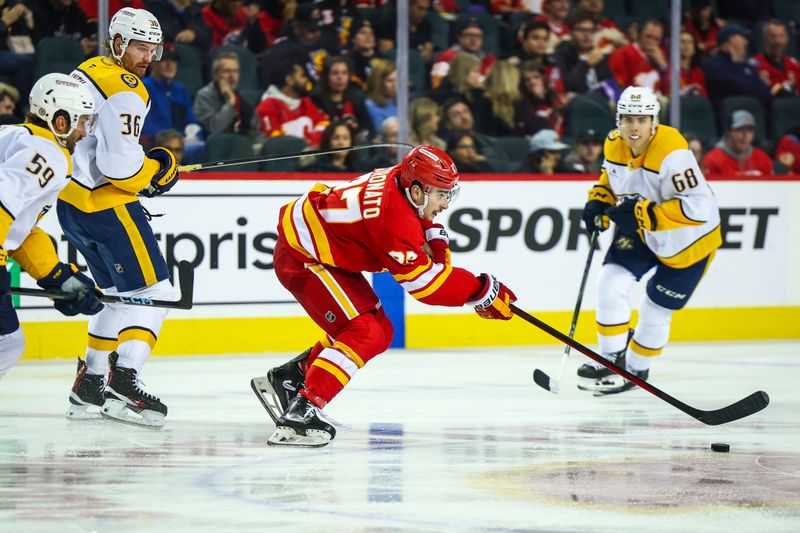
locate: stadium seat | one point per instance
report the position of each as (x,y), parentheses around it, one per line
(248,71)
(440,30)
(748,103)
(58,54)
(516,150)
(788,10)
(280,145)
(784,116)
(697,116)
(417,74)
(491,34)
(190,68)
(225,146)
(650,9)
(587,112)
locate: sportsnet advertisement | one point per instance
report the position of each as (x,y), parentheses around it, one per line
(527,232)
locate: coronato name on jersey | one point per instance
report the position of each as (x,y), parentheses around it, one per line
(667,173)
(31,177)
(110,165)
(376,229)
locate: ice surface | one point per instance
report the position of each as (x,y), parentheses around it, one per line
(450,440)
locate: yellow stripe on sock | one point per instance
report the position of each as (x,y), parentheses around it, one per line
(613,329)
(644,350)
(101,344)
(349,353)
(138,334)
(331,369)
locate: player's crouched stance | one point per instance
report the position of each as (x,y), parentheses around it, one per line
(667,219)
(34,166)
(382,220)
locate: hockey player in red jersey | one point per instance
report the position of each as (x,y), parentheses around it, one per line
(383,220)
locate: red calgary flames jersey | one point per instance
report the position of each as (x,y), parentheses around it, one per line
(367,224)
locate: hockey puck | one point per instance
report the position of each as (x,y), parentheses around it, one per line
(721,447)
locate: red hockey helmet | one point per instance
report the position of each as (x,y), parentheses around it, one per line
(430,166)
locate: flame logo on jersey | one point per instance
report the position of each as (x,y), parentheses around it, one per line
(130,80)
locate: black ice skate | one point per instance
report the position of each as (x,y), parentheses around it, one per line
(625,384)
(593,377)
(301,425)
(125,400)
(280,386)
(86,394)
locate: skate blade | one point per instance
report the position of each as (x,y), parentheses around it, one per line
(607,383)
(118,411)
(83,412)
(286,436)
(267,396)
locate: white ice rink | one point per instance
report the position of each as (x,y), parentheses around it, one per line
(456,440)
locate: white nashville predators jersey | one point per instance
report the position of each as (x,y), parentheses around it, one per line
(34,168)
(667,173)
(110,164)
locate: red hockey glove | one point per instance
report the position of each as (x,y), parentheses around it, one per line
(493,300)
(439,243)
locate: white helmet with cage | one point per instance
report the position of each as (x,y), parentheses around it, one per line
(57,92)
(639,101)
(135,24)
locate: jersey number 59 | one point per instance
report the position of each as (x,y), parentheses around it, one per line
(37,168)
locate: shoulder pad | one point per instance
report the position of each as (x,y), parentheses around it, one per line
(109,78)
(666,140)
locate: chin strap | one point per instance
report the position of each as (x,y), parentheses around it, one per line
(420,208)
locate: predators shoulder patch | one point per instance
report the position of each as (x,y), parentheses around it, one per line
(130,80)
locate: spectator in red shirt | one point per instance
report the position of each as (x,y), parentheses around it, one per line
(469,40)
(595,8)
(286,109)
(778,70)
(787,154)
(642,63)
(231,23)
(693,81)
(533,37)
(555,12)
(735,154)
(703,25)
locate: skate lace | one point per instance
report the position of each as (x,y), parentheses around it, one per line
(312,409)
(138,385)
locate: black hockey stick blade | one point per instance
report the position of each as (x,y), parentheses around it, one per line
(185,280)
(743,408)
(544,381)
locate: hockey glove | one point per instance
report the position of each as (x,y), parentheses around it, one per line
(439,243)
(594,212)
(83,295)
(493,300)
(632,215)
(594,216)
(167,175)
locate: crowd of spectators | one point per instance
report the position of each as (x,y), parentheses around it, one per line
(495,82)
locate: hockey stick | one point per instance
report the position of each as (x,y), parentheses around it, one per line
(542,379)
(185,281)
(293,155)
(744,407)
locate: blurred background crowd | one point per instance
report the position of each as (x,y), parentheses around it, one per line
(519,86)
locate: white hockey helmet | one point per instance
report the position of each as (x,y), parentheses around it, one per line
(135,24)
(639,101)
(59,92)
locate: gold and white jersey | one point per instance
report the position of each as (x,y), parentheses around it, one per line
(110,164)
(34,169)
(687,213)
